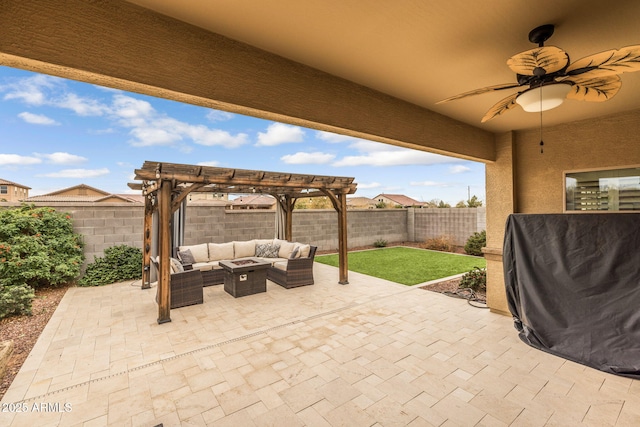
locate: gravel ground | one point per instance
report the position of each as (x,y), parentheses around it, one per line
(25,330)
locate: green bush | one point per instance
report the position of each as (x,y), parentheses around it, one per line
(380,243)
(119,263)
(38,247)
(475,243)
(475,280)
(15,299)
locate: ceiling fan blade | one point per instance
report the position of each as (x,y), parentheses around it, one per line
(501,107)
(480,91)
(625,60)
(548,58)
(596,89)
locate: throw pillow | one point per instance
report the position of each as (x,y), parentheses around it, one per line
(273,251)
(186,257)
(267,250)
(261,249)
(176,266)
(295,252)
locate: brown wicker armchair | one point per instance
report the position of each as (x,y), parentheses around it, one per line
(299,272)
(185,287)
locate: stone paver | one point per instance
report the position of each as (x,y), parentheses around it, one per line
(369,353)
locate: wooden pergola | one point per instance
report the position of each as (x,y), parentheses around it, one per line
(166,185)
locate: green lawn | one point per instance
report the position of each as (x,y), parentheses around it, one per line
(407,266)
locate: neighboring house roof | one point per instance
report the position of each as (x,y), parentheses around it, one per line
(400,199)
(85,194)
(6,182)
(254,200)
(360,201)
(80,189)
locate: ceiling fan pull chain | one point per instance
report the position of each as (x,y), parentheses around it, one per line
(541,141)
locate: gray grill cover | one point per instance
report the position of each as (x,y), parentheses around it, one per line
(573,286)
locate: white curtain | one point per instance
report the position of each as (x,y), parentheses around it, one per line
(281,216)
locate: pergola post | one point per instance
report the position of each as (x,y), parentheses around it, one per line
(342,240)
(288,226)
(146,242)
(164,252)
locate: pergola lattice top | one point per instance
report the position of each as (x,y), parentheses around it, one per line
(240,181)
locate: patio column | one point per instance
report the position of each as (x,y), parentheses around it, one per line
(164,252)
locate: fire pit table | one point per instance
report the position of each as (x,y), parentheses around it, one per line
(246,276)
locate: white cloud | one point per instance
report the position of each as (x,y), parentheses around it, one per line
(219,116)
(17,160)
(455,169)
(77,173)
(364,186)
(301,158)
(82,106)
(31,90)
(278,133)
(211,163)
(59,158)
(37,119)
(429,184)
(393,158)
(333,137)
(131,111)
(150,136)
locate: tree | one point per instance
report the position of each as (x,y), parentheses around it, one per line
(381,205)
(442,204)
(473,202)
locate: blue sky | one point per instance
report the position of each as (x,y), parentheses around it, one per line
(58,133)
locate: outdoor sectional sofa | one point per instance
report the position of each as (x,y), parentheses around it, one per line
(291,262)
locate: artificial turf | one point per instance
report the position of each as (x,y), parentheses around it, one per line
(408,266)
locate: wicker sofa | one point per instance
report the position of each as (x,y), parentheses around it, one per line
(291,262)
(185,287)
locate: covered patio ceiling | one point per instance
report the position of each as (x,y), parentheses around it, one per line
(166,185)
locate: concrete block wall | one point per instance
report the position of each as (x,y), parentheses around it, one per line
(107,225)
(457,223)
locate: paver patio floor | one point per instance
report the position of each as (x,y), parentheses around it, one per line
(372,353)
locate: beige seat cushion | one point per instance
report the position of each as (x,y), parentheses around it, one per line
(285,248)
(202,266)
(220,251)
(244,249)
(200,252)
(280,265)
(304,251)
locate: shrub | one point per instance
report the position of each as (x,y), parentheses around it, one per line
(475,279)
(380,243)
(442,243)
(119,263)
(38,247)
(15,299)
(475,243)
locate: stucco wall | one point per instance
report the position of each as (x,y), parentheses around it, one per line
(523,180)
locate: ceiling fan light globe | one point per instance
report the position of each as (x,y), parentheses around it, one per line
(543,98)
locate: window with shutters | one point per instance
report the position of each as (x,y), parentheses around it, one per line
(603,190)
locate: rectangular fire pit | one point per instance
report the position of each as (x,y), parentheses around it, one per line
(245,276)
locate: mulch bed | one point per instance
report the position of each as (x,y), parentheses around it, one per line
(25,330)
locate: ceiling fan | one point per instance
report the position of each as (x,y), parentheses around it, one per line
(545,76)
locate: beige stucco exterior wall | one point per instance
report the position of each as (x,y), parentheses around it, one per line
(523,180)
